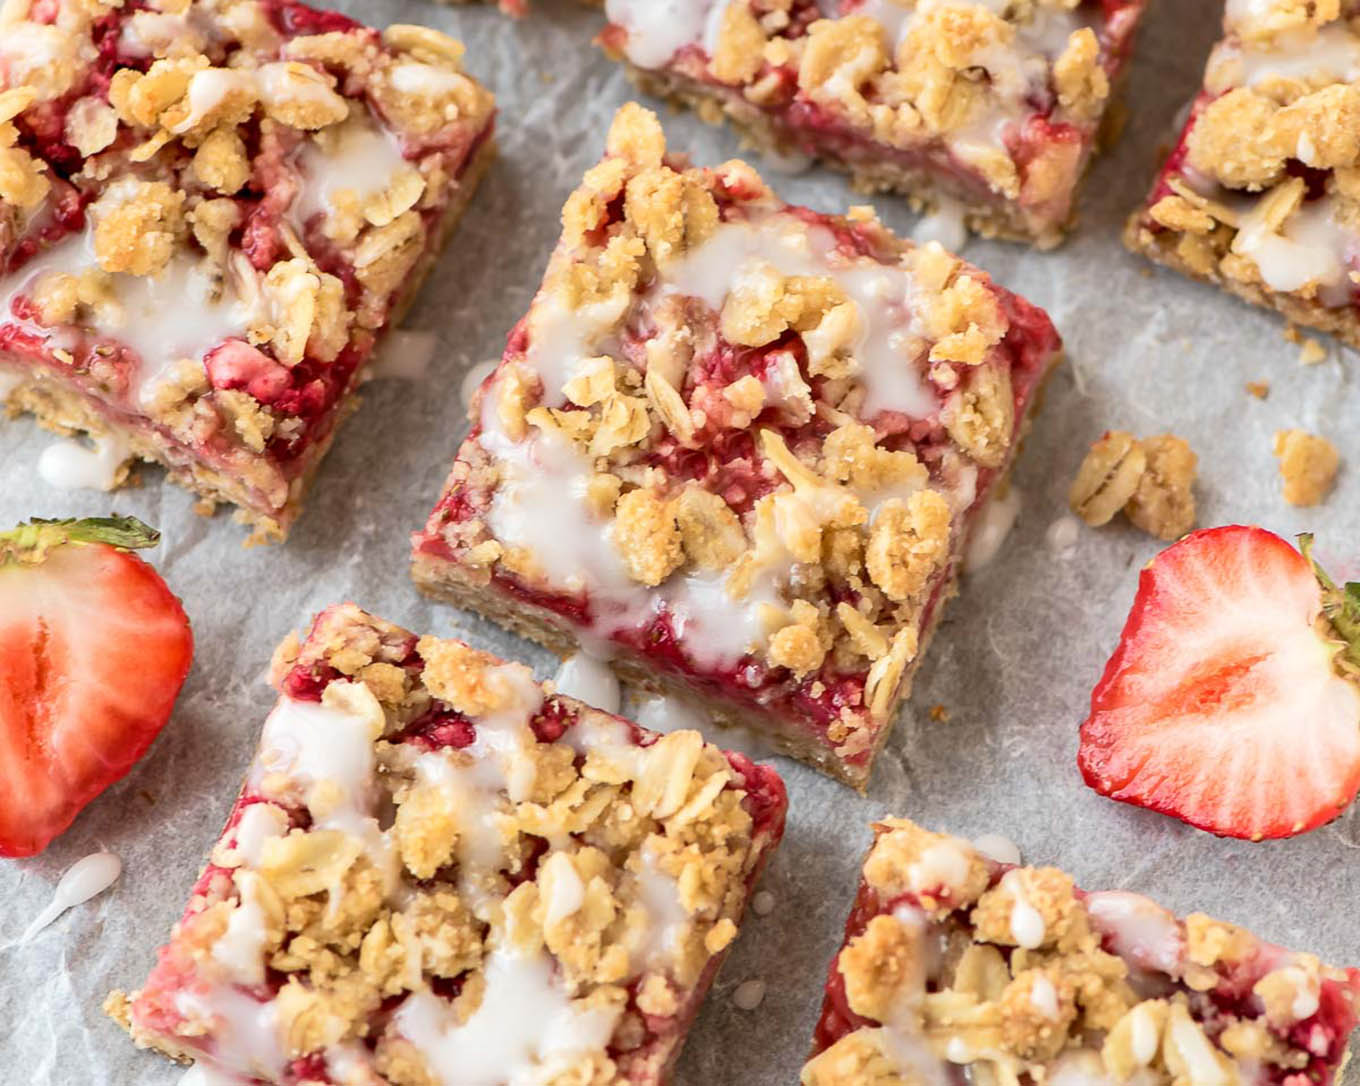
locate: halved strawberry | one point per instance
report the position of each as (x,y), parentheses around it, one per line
(93,651)
(1230,702)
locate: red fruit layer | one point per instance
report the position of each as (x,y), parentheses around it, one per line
(100,367)
(726,463)
(1322,1037)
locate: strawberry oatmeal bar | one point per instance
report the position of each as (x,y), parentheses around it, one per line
(440,872)
(737,447)
(210,211)
(1261,195)
(960,969)
(984,110)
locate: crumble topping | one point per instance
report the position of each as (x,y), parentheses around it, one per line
(757,425)
(1262,194)
(1308,466)
(964,80)
(954,959)
(543,899)
(230,193)
(1150,479)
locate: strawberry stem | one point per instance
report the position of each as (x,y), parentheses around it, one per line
(1341,606)
(31,541)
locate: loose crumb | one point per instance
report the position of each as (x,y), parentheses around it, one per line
(749,995)
(763,903)
(1291,333)
(1308,465)
(1151,479)
(1259,389)
(1312,352)
(939,714)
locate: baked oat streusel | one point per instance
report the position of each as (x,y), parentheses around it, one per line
(959,969)
(983,110)
(210,211)
(738,446)
(1150,479)
(1308,466)
(1262,192)
(440,872)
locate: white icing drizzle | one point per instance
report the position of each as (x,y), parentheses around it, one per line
(991,528)
(317,742)
(882,293)
(525,1029)
(669,714)
(1312,247)
(404,355)
(88,876)
(1044,997)
(240,949)
(1016,70)
(364,162)
(499,771)
(589,679)
(996,847)
(1027,925)
(259,823)
(749,994)
(540,502)
(1141,931)
(901,1036)
(658,29)
(472,380)
(69,465)
(1328,54)
(246,1031)
(182,313)
(667,918)
(944,224)
(944,863)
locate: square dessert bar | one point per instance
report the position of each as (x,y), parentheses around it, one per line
(1262,192)
(737,446)
(959,969)
(984,110)
(440,872)
(210,212)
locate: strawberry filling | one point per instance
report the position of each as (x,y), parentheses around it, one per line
(177,987)
(1038,146)
(302,400)
(725,462)
(1320,1039)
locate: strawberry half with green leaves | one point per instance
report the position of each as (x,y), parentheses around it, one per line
(93,651)
(1232,701)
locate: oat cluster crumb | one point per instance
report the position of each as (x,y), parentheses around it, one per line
(1260,194)
(210,211)
(991,108)
(1149,479)
(1308,466)
(952,959)
(435,864)
(741,442)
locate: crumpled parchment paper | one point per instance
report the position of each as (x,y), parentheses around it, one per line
(1013,663)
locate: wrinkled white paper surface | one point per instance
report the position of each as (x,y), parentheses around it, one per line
(1014,661)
